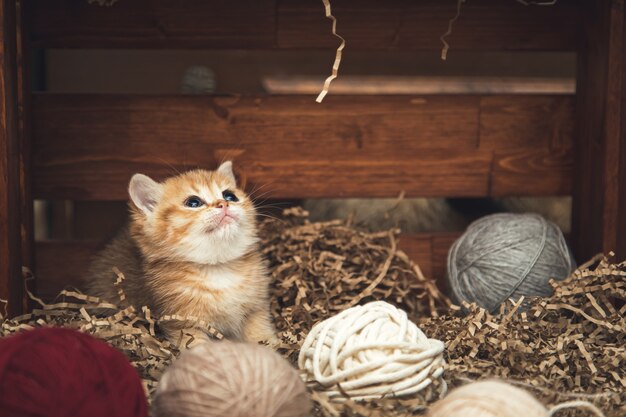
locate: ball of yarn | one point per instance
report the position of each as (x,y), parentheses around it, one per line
(231,379)
(371,351)
(506,255)
(50,372)
(488,399)
(494,398)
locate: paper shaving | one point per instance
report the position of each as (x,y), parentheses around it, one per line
(571,345)
(446,45)
(567,347)
(132,332)
(340,48)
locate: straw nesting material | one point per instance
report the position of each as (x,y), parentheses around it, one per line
(321,269)
(134,333)
(566,347)
(571,345)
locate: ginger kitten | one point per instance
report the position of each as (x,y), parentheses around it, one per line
(191,250)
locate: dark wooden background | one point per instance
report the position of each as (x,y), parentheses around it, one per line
(84,147)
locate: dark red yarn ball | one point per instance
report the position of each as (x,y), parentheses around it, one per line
(55,372)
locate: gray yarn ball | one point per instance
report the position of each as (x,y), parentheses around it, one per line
(507,255)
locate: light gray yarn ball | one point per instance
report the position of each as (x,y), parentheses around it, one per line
(507,255)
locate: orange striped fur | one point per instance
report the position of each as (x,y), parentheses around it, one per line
(201,261)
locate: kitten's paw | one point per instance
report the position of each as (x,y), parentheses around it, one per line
(269,339)
(272,341)
(259,328)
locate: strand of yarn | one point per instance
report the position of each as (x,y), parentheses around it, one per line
(371,351)
(576,404)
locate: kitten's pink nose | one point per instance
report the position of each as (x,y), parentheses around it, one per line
(222,203)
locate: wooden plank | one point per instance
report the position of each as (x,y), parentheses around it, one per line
(418,248)
(371,24)
(62,264)
(430,252)
(24,133)
(11,288)
(542,121)
(154,23)
(407,24)
(532,172)
(351,146)
(441,244)
(599,212)
(98,219)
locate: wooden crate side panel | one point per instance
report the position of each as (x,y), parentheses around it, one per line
(599,205)
(61,265)
(86,147)
(11,188)
(23,58)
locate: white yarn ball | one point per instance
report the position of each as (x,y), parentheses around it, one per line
(371,351)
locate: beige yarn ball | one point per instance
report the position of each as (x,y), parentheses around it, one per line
(488,399)
(231,379)
(493,398)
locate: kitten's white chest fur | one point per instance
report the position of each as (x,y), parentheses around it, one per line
(224,294)
(219,278)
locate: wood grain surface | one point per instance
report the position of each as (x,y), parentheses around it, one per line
(366,24)
(11,288)
(86,147)
(599,203)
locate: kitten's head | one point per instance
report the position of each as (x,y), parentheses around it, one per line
(198,216)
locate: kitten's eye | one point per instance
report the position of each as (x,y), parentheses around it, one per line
(229,196)
(194,202)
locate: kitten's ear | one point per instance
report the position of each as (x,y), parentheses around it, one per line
(226,169)
(144,192)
